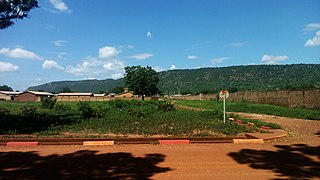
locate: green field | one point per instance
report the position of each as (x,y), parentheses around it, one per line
(113,117)
(214,105)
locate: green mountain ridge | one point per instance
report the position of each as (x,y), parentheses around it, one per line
(211,80)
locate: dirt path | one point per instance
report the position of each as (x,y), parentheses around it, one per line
(300,130)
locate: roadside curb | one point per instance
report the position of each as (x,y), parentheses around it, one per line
(113,141)
(98,143)
(248,141)
(254,138)
(16,144)
(273,134)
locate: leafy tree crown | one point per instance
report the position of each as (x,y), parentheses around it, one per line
(141,80)
(15,9)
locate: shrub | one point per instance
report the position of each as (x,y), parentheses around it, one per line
(88,111)
(28,110)
(119,104)
(48,103)
(4,111)
(165,106)
(62,107)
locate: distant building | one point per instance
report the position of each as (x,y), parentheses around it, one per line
(32,96)
(124,95)
(8,95)
(75,96)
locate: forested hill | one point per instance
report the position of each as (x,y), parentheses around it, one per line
(211,80)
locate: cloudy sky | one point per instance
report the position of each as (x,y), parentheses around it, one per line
(83,39)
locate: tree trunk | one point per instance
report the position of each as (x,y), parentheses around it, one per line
(142,97)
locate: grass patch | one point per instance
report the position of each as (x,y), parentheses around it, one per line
(254,108)
(113,117)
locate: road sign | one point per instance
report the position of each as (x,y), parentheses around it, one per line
(224,94)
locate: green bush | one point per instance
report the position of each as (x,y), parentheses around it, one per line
(88,111)
(119,104)
(62,107)
(165,106)
(4,113)
(48,103)
(28,110)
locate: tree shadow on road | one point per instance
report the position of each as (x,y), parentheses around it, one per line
(79,165)
(297,161)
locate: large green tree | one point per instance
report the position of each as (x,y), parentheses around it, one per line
(14,9)
(142,81)
(5,88)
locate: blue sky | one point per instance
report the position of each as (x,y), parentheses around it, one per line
(82,39)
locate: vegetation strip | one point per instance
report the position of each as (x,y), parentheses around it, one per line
(132,117)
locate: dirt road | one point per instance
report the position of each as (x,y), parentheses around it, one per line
(294,157)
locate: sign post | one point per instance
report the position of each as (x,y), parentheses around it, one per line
(224,94)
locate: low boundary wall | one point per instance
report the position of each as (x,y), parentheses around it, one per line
(303,98)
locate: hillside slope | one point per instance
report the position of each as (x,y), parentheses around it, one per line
(211,80)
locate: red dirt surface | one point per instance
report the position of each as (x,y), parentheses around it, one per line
(294,157)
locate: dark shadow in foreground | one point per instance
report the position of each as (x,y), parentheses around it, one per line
(298,161)
(79,165)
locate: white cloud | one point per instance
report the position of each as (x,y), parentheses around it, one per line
(315,41)
(130,46)
(199,45)
(86,68)
(273,59)
(173,67)
(219,60)
(19,53)
(59,5)
(192,57)
(106,65)
(50,64)
(158,69)
(38,79)
(59,43)
(115,69)
(8,67)
(108,52)
(149,35)
(141,56)
(312,27)
(237,44)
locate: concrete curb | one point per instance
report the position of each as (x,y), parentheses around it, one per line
(250,138)
(248,141)
(274,134)
(98,143)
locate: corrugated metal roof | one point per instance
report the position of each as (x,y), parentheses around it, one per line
(10,92)
(75,94)
(99,95)
(40,93)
